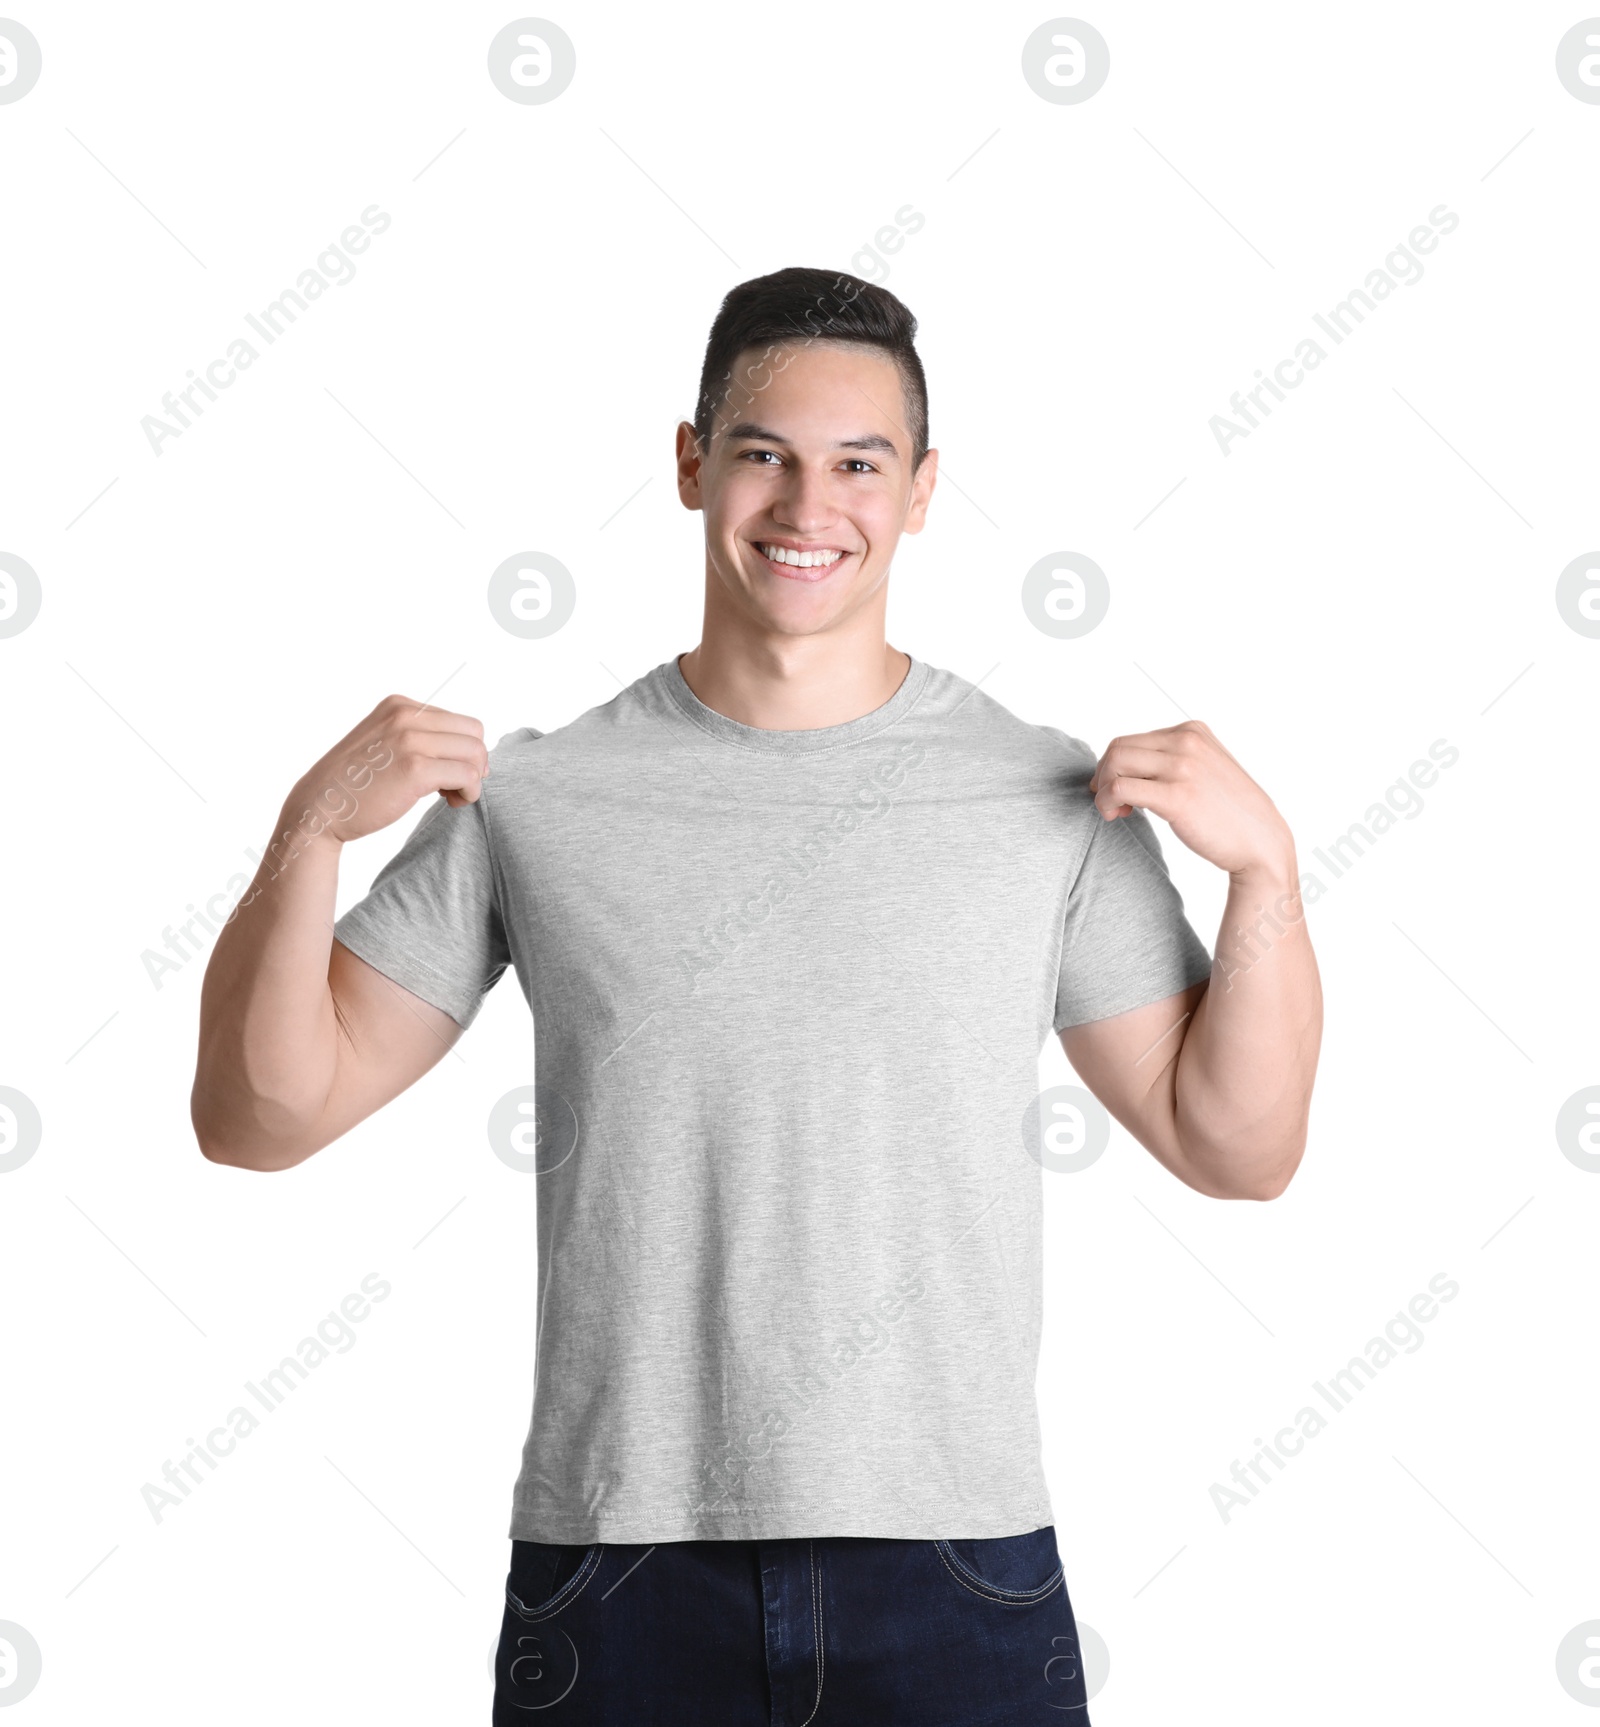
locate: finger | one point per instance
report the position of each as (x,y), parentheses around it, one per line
(1123,793)
(409,712)
(1168,739)
(442,720)
(421,749)
(1124,760)
(1164,743)
(1137,759)
(1216,742)
(1195,735)
(447,774)
(1109,802)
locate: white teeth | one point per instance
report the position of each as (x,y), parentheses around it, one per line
(805,560)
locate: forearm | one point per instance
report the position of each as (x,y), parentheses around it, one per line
(1245,1071)
(268,1046)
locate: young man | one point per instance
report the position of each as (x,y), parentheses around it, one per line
(794,914)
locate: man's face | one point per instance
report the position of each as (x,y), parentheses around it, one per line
(810,459)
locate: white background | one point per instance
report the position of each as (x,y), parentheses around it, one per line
(1334,594)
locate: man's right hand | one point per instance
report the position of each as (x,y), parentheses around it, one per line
(299,1037)
(401,751)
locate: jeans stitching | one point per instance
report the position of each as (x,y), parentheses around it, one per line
(993,1591)
(570,1590)
(816,1625)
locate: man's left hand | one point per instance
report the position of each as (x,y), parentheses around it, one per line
(1184,775)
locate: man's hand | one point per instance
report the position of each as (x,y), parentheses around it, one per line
(1215,1082)
(1182,774)
(401,751)
(299,1037)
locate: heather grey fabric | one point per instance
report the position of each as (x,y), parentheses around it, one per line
(793,987)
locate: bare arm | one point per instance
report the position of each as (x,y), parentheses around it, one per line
(1216,1082)
(300,1039)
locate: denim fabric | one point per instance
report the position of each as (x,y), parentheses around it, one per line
(839,1631)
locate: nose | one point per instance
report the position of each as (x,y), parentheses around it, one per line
(803,503)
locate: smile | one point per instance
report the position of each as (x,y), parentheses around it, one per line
(803,566)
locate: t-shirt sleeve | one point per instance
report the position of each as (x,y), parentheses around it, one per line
(431,920)
(1126,941)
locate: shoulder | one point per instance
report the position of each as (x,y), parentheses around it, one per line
(595,727)
(513,746)
(985,724)
(599,743)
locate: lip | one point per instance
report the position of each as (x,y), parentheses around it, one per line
(797,573)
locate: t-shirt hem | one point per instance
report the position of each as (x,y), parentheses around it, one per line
(776,1524)
(1197,970)
(404,969)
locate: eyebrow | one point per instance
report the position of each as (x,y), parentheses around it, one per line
(867,440)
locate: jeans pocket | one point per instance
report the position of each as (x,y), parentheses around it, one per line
(1012,1570)
(546,1576)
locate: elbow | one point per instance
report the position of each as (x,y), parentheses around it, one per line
(212,1146)
(216,1148)
(1267,1187)
(1270,1183)
(1224,1174)
(218,1151)
(218,1145)
(235,1157)
(209,1133)
(1230,1158)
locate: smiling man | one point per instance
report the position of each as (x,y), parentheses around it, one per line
(794,913)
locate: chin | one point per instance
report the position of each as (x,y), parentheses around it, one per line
(796,620)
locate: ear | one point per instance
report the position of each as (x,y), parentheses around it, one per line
(921,491)
(687,451)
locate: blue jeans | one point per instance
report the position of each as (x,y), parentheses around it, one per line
(840,1631)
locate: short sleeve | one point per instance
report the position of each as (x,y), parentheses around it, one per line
(431,920)
(1126,941)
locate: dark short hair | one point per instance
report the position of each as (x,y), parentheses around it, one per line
(797,306)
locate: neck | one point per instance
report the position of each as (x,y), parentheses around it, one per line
(788,683)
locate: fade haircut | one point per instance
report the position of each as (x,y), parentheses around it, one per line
(791,309)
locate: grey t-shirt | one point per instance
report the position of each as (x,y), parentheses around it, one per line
(789,992)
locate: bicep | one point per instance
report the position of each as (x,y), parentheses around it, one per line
(1130,1063)
(386,1037)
